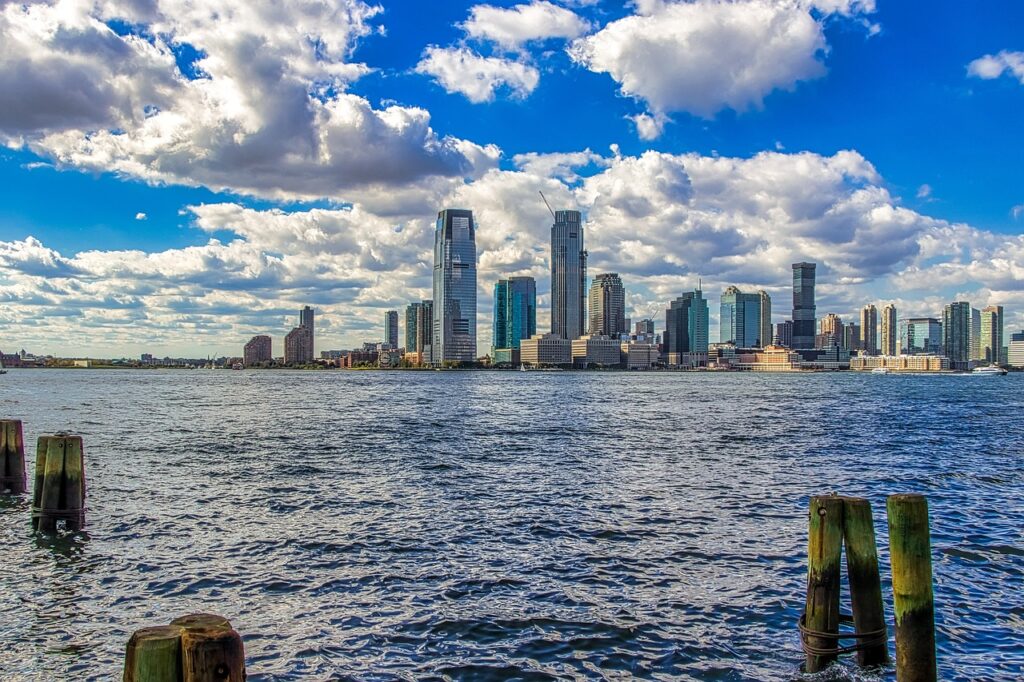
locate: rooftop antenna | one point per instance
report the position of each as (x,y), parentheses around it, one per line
(548,205)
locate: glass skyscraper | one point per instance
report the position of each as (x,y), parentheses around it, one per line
(740,318)
(410,327)
(515,311)
(765,335)
(607,306)
(454,287)
(391,328)
(956,333)
(804,316)
(991,342)
(568,276)
(920,336)
(686,324)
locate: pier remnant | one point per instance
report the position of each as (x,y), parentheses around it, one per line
(914,607)
(199,647)
(12,457)
(865,582)
(59,493)
(824,552)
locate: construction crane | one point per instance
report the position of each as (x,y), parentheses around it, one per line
(548,205)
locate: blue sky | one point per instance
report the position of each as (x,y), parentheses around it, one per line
(175,187)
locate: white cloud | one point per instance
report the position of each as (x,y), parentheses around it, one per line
(520,24)
(141,216)
(704,56)
(263,110)
(924,191)
(458,69)
(1017,211)
(993,66)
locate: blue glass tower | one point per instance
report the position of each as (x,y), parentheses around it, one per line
(515,311)
(454,288)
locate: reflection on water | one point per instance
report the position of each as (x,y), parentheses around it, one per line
(501,525)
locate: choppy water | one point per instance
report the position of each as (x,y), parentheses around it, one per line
(378,526)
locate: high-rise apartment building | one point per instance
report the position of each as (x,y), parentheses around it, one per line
(391,328)
(454,287)
(740,318)
(765,336)
(306,318)
(424,330)
(298,346)
(956,333)
(889,331)
(784,334)
(607,306)
(851,337)
(410,327)
(992,335)
(920,336)
(976,351)
(686,324)
(830,332)
(259,349)
(568,276)
(804,312)
(869,329)
(515,311)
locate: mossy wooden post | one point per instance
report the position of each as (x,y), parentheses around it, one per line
(865,582)
(824,553)
(59,483)
(12,457)
(202,620)
(911,556)
(212,654)
(154,655)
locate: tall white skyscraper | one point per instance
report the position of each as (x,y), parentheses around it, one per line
(454,309)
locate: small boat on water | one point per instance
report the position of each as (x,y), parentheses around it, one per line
(991,370)
(522,367)
(881,370)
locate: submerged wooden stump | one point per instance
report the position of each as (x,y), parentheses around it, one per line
(199,647)
(12,457)
(59,494)
(911,556)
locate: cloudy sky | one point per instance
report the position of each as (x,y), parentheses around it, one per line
(178,176)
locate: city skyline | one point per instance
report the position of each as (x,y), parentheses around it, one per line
(114,240)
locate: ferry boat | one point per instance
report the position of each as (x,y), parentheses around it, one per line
(881,370)
(991,370)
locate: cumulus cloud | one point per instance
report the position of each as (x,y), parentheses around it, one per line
(141,216)
(262,109)
(660,220)
(995,65)
(924,191)
(458,69)
(708,55)
(511,27)
(1017,211)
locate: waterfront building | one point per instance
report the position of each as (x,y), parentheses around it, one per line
(410,327)
(889,331)
(976,352)
(869,329)
(804,311)
(830,332)
(454,311)
(391,328)
(764,335)
(1015,352)
(505,357)
(298,346)
(639,355)
(920,336)
(607,306)
(956,333)
(851,337)
(686,329)
(740,318)
(784,334)
(424,331)
(592,349)
(991,350)
(568,275)
(900,363)
(545,349)
(515,311)
(257,350)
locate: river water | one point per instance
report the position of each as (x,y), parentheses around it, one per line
(485,525)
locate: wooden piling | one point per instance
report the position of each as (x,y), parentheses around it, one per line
(824,552)
(199,647)
(212,655)
(12,457)
(154,655)
(59,493)
(910,554)
(865,582)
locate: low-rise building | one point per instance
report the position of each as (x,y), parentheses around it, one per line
(900,363)
(1015,353)
(637,355)
(594,349)
(545,349)
(506,357)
